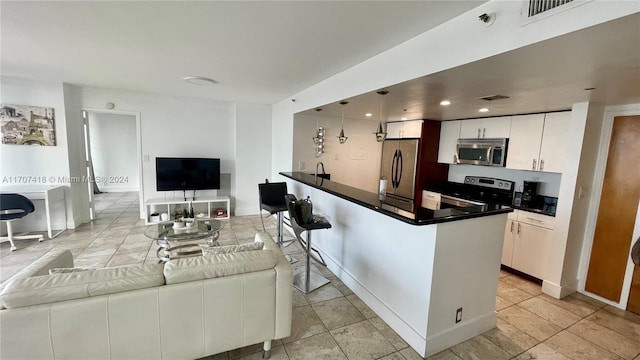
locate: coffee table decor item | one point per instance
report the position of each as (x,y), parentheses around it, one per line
(186,237)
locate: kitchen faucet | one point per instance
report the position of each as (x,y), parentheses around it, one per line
(321,165)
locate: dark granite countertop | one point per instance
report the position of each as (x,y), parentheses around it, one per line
(371,201)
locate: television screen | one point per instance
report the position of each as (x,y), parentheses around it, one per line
(187,174)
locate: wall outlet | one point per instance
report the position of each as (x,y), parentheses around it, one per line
(301,165)
(458,315)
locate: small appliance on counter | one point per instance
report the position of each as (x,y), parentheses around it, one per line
(529,193)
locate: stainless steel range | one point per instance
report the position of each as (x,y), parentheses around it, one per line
(481,190)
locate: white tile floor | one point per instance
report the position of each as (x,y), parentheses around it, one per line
(333,323)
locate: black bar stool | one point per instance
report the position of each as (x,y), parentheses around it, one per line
(271,196)
(308,281)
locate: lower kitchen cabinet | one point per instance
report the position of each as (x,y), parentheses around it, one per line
(527,242)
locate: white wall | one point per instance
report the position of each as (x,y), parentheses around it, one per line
(114,151)
(252,154)
(355,163)
(46,165)
(78,191)
(51,162)
(173,126)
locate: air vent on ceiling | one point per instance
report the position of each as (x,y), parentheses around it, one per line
(494,97)
(539,6)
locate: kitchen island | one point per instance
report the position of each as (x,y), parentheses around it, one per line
(416,271)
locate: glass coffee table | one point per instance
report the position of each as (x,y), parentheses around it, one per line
(185,241)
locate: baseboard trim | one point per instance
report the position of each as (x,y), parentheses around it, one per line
(559,291)
(461,332)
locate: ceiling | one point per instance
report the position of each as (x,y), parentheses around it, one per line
(259,51)
(546,76)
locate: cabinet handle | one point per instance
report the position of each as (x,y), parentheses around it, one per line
(484,131)
(533,166)
(512,226)
(518,228)
(478,132)
(541,164)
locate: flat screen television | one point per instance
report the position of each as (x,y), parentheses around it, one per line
(187,174)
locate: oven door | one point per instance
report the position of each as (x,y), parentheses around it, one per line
(475,154)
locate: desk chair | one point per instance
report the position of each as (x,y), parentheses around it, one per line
(272,200)
(308,281)
(14,207)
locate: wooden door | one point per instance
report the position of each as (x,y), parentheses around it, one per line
(617,211)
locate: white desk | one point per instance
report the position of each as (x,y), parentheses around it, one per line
(51,194)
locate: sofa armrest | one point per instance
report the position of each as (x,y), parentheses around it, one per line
(284,286)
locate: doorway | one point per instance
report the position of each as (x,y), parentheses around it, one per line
(113,154)
(609,273)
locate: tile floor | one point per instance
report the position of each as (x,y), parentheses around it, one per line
(333,323)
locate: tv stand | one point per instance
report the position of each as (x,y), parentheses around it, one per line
(206,206)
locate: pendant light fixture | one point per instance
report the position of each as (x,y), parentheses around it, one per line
(342,139)
(318,139)
(380,134)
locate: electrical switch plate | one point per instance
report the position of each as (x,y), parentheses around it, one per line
(581,192)
(146,158)
(301,165)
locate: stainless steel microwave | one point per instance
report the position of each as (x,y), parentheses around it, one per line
(490,152)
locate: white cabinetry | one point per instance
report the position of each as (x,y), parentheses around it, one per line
(554,141)
(449,134)
(538,142)
(524,141)
(495,127)
(207,207)
(404,129)
(527,242)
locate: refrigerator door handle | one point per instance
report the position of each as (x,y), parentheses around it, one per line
(394,171)
(400,165)
(393,168)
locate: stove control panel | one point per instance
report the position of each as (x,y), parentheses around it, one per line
(489,182)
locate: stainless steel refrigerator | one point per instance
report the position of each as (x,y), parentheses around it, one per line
(399,163)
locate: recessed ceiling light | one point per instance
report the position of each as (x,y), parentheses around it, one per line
(199,80)
(483,110)
(404,118)
(368,114)
(445,102)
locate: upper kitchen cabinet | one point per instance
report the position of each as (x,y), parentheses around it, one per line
(538,142)
(554,141)
(524,141)
(494,127)
(449,134)
(404,129)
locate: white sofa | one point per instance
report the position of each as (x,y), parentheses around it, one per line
(185,309)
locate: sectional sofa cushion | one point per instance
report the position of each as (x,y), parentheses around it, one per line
(67,286)
(219,265)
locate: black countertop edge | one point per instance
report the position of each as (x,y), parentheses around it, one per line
(371,201)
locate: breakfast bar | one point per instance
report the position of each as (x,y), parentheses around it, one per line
(432,275)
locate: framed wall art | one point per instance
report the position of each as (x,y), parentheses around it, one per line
(27,125)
